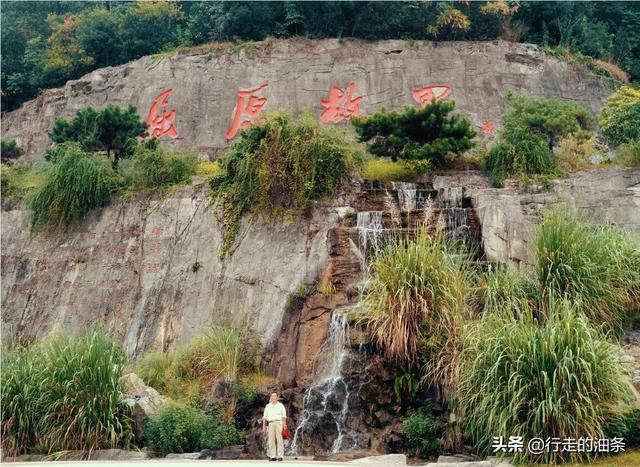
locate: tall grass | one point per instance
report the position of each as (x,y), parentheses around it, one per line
(415,303)
(599,265)
(507,289)
(519,377)
(152,166)
(280,165)
(77,183)
(63,394)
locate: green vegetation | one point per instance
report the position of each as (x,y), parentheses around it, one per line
(225,353)
(428,134)
(507,289)
(17,180)
(597,266)
(281,165)
(387,170)
(48,43)
(423,430)
(415,302)
(62,393)
(629,154)
(626,427)
(152,166)
(559,379)
(529,132)
(180,428)
(110,129)
(10,150)
(620,118)
(77,183)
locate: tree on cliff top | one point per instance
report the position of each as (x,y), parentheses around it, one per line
(110,129)
(427,134)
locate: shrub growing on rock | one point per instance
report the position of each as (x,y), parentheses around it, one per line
(180,428)
(423,431)
(152,166)
(620,118)
(559,379)
(10,150)
(77,183)
(426,134)
(62,393)
(597,265)
(280,165)
(529,132)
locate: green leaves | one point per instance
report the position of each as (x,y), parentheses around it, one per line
(620,118)
(428,134)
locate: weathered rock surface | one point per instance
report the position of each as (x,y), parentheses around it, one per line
(150,271)
(299,73)
(508,216)
(143,400)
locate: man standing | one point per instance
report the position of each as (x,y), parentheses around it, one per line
(273,422)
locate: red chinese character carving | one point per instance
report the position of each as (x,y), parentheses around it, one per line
(157,231)
(424,96)
(160,120)
(487,128)
(246,110)
(334,111)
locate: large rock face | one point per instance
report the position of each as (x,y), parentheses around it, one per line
(150,270)
(299,74)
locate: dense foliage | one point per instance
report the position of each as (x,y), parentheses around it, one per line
(423,429)
(414,304)
(152,166)
(110,129)
(282,164)
(530,130)
(426,134)
(558,379)
(62,393)
(10,150)
(180,428)
(620,118)
(45,44)
(597,266)
(77,183)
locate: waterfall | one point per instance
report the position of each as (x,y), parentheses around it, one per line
(407,195)
(328,396)
(370,232)
(454,216)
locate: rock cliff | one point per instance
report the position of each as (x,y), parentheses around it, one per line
(214,89)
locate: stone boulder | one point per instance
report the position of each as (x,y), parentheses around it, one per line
(143,400)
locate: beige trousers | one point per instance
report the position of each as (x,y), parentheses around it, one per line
(276,446)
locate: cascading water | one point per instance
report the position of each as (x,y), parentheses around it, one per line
(327,399)
(454,216)
(370,233)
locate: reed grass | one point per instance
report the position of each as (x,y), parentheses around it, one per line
(62,393)
(415,303)
(521,377)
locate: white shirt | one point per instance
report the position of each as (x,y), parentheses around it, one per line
(274,412)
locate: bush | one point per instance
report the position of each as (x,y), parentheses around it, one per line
(597,265)
(529,132)
(10,150)
(152,166)
(62,393)
(426,134)
(628,154)
(560,379)
(180,428)
(412,308)
(73,186)
(423,432)
(280,164)
(620,118)
(627,427)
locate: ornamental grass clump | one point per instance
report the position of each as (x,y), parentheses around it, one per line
(62,393)
(415,303)
(599,265)
(280,166)
(74,185)
(557,379)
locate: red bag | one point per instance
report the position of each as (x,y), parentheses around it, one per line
(286,434)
